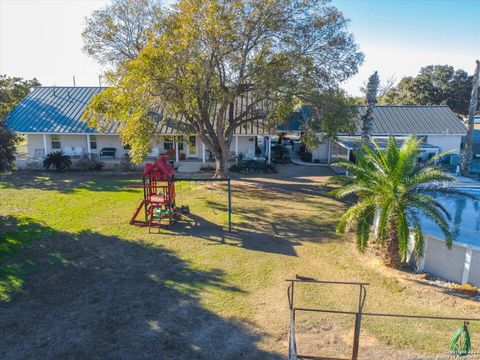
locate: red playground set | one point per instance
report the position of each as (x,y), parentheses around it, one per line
(158,195)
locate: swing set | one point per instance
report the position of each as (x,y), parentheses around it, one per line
(159,196)
(460,344)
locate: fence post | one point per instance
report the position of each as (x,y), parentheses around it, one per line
(229,207)
(358,321)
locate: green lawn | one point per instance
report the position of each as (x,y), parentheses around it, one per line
(78,282)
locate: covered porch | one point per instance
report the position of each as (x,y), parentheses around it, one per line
(181,149)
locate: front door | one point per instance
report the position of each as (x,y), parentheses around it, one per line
(192,146)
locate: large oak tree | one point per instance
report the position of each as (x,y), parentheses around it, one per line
(207,57)
(434,85)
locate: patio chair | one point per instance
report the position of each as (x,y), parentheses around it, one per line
(38,154)
(108,152)
(78,151)
(250,154)
(67,150)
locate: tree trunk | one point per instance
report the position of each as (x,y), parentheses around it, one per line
(467,153)
(221,167)
(390,249)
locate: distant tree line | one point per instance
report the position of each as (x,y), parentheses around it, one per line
(434,85)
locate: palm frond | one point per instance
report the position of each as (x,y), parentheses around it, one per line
(427,175)
(418,241)
(403,233)
(383,215)
(350,189)
(437,217)
(341,180)
(364,228)
(443,190)
(353,214)
(429,201)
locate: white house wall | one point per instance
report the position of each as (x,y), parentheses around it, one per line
(34,141)
(321,152)
(109,141)
(244,144)
(446,142)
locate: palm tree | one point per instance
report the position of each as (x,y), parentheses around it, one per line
(58,161)
(392,190)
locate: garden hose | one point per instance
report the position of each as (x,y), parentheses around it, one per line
(460,344)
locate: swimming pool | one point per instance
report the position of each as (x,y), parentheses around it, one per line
(465,222)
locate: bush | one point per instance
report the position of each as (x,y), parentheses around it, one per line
(57,161)
(280,154)
(90,164)
(96,165)
(234,168)
(306,156)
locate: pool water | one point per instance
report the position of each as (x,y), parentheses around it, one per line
(465,222)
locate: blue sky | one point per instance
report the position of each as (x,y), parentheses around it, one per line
(41,38)
(398,37)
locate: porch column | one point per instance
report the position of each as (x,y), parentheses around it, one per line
(177,157)
(89,150)
(236,148)
(45,148)
(348,159)
(203,152)
(269,149)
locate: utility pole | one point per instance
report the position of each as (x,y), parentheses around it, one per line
(467,153)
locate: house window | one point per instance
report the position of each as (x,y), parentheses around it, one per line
(93,142)
(180,142)
(167,145)
(56,142)
(193,141)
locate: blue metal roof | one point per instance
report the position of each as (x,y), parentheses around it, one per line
(55,110)
(399,120)
(58,110)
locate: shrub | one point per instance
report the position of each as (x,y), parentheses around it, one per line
(306,156)
(234,168)
(57,161)
(280,154)
(96,165)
